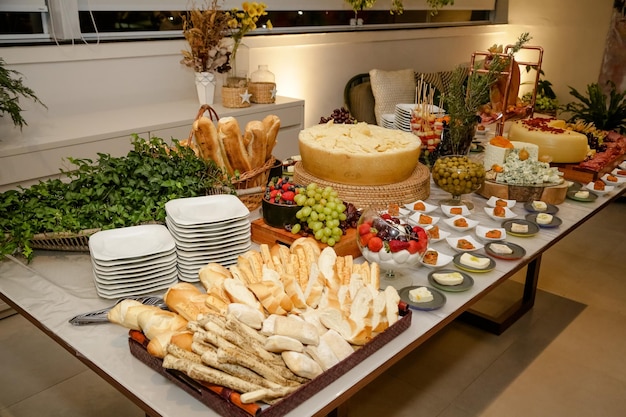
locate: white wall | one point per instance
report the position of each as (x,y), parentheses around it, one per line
(78,78)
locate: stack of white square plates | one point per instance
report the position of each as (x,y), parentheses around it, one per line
(132,261)
(206,229)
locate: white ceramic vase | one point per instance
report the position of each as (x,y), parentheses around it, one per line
(205,85)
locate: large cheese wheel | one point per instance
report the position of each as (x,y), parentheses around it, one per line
(553,139)
(358,154)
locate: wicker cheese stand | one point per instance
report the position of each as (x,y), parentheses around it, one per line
(416,187)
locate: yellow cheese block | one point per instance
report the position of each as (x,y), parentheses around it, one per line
(358,154)
(553,139)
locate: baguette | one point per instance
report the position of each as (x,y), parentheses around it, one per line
(230,136)
(208,144)
(255,138)
(271,124)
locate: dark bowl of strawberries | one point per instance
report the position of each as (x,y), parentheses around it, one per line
(278,206)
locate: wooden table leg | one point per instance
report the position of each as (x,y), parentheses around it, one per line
(499,324)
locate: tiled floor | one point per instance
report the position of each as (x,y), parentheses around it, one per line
(564,358)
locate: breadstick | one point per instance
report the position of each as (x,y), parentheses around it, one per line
(240,357)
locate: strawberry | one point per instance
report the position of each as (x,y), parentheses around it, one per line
(375,244)
(364,228)
(365,238)
(396,245)
(273,193)
(414,246)
(386,216)
(288,195)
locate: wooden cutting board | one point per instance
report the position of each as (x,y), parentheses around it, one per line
(262,233)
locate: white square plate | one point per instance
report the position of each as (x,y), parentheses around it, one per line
(449,210)
(492,202)
(470,223)
(481,232)
(454,240)
(607,188)
(442,259)
(508,214)
(130,242)
(206,209)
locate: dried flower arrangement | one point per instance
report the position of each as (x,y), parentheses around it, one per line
(205,30)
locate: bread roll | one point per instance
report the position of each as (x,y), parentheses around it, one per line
(239,293)
(297,328)
(213,274)
(187,300)
(340,347)
(279,343)
(323,355)
(230,136)
(301,364)
(246,314)
(126,311)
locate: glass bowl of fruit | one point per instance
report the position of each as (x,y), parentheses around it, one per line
(278,205)
(393,244)
(458,175)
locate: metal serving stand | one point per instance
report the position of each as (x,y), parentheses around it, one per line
(536,64)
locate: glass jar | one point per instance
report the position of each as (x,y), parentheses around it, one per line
(263,86)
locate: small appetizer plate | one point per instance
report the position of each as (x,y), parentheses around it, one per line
(465,285)
(442,234)
(422,219)
(508,213)
(619,172)
(622,165)
(607,188)
(477,148)
(470,223)
(490,266)
(573,195)
(454,243)
(437,302)
(550,208)
(618,180)
(492,202)
(442,259)
(531,228)
(482,231)
(452,211)
(554,222)
(428,208)
(517,252)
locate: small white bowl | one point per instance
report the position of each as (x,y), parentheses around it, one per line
(442,234)
(470,223)
(428,208)
(415,219)
(453,242)
(508,214)
(492,202)
(481,232)
(442,259)
(607,188)
(448,210)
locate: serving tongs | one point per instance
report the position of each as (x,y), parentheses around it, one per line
(100,316)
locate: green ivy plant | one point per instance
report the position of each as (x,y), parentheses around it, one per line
(108,193)
(11,88)
(605,112)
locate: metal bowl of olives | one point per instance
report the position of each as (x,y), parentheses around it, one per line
(458,175)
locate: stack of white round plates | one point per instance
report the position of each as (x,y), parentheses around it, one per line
(388,121)
(404,114)
(206,229)
(132,261)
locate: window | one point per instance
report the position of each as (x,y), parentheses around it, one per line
(95,20)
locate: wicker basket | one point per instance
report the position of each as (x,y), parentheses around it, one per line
(251,185)
(263,93)
(232,97)
(416,187)
(64,241)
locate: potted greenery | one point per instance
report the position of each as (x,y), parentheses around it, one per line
(605,112)
(11,88)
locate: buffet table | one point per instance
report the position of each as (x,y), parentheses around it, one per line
(56,286)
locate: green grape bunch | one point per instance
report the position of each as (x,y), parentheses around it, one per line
(322,213)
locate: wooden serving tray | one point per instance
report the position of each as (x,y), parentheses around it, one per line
(573,172)
(224,407)
(262,233)
(552,195)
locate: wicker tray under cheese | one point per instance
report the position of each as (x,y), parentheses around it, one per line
(220,403)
